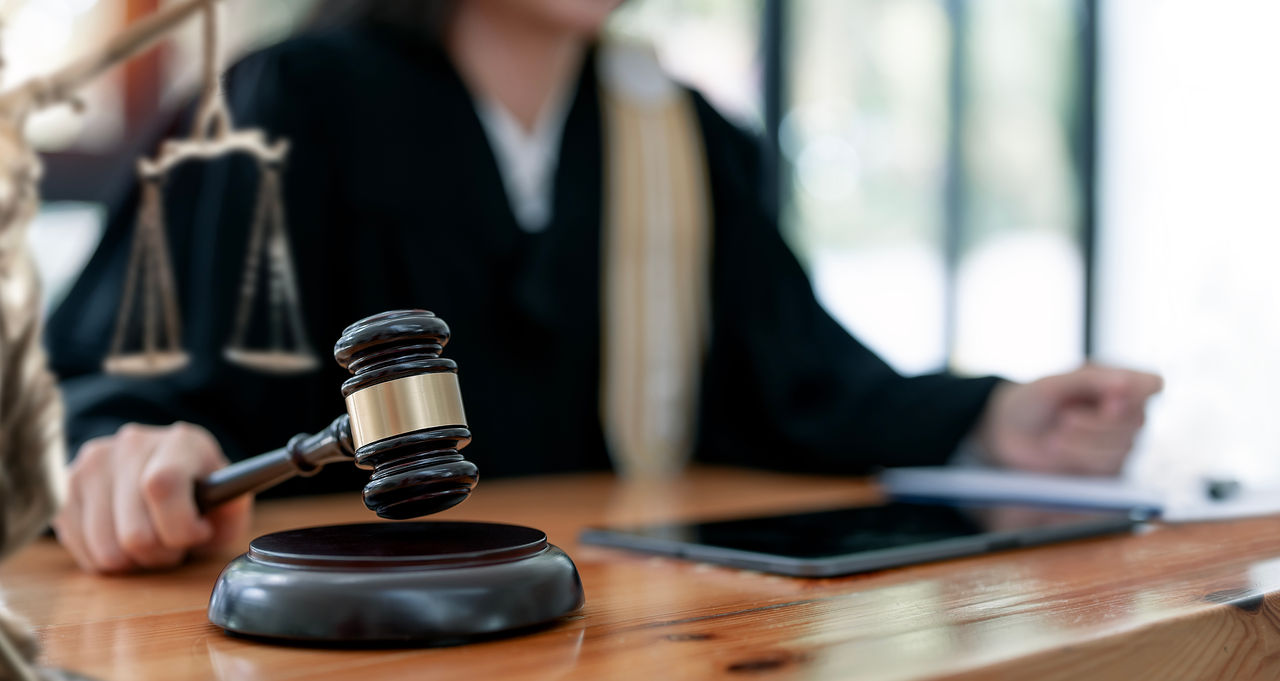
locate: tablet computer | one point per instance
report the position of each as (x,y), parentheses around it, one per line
(848,540)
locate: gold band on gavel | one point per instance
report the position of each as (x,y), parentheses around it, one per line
(405,405)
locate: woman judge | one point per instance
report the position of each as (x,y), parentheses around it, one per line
(591,233)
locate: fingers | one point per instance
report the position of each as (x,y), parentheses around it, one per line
(230,524)
(133,524)
(166,481)
(130,503)
(91,480)
(100,477)
(1087,443)
(1083,422)
(1122,393)
(1096,383)
(1117,395)
(67,523)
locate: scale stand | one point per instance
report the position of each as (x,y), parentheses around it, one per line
(159,349)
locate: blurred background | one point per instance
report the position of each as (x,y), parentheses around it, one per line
(991,186)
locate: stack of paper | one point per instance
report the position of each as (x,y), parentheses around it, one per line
(1005,486)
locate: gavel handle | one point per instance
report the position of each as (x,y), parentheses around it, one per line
(303,456)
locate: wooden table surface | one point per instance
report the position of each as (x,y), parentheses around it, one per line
(1190,601)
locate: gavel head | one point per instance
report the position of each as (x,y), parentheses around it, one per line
(407,422)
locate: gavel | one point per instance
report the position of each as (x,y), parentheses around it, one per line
(404,422)
(425,582)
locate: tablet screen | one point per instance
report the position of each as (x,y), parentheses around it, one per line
(856,530)
(860,538)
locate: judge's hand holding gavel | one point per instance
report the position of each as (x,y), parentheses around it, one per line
(129,503)
(147,496)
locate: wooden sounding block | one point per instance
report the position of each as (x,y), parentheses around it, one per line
(419,582)
(433,582)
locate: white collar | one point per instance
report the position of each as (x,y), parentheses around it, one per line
(527,160)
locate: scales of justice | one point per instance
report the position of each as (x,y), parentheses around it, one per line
(409,582)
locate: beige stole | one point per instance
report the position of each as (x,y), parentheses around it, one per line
(655,311)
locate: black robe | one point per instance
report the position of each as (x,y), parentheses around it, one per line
(394,200)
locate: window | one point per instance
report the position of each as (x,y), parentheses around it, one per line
(1190,230)
(864,138)
(931,167)
(1019,278)
(712,45)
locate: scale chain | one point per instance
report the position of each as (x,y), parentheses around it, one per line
(291,282)
(284,268)
(249,281)
(168,286)
(149,283)
(131,276)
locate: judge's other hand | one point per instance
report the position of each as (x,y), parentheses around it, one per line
(130,503)
(1083,422)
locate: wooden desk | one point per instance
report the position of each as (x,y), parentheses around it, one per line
(1194,601)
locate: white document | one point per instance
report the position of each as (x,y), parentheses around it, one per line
(1000,485)
(1249,503)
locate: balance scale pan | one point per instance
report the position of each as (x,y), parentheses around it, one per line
(146,363)
(272,361)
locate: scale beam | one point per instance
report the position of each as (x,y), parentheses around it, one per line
(213,136)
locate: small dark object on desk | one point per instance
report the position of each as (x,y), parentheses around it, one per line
(842,541)
(1221,489)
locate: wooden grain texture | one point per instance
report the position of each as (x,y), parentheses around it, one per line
(1174,602)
